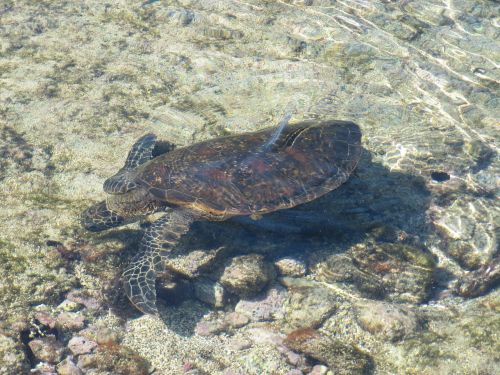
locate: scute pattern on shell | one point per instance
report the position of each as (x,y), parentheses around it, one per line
(235,176)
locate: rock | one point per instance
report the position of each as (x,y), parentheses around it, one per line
(106,336)
(342,359)
(47,349)
(68,305)
(319,370)
(239,344)
(83,298)
(294,359)
(115,359)
(308,306)
(210,292)
(466,230)
(68,367)
(80,345)
(247,275)
(266,336)
(390,321)
(209,328)
(191,263)
(391,271)
(262,335)
(43,368)
(236,319)
(290,267)
(46,319)
(266,306)
(87,361)
(478,282)
(229,321)
(70,321)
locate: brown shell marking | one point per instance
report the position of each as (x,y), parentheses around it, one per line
(234,176)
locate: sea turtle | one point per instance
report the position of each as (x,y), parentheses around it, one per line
(245,174)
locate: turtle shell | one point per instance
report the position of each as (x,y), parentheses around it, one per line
(246,174)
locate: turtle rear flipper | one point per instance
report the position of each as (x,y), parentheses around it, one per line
(140,275)
(98,217)
(141,152)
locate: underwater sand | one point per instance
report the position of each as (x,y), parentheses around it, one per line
(80,81)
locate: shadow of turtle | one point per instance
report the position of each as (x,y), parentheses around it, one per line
(376,204)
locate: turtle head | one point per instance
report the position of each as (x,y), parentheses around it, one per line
(126,198)
(98,218)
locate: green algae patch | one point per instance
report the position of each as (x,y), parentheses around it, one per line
(12,262)
(13,359)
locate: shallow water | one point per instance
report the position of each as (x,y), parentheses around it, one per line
(405,237)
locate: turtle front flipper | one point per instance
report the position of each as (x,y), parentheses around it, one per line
(140,275)
(98,218)
(141,152)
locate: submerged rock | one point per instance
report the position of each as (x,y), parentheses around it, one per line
(47,349)
(342,359)
(391,322)
(288,266)
(236,319)
(247,275)
(266,306)
(308,305)
(190,263)
(68,367)
(70,321)
(396,272)
(115,359)
(80,345)
(210,292)
(465,226)
(478,282)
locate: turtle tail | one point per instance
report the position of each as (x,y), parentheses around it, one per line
(98,218)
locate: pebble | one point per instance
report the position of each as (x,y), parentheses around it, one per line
(208,328)
(89,302)
(43,369)
(290,267)
(210,292)
(239,344)
(68,367)
(341,358)
(106,336)
(70,321)
(247,275)
(236,320)
(309,306)
(47,349)
(390,321)
(46,319)
(80,345)
(319,370)
(266,306)
(68,305)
